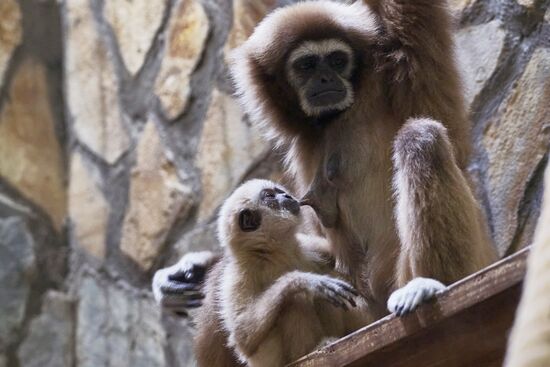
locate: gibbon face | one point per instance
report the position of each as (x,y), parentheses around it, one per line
(258,209)
(306,64)
(272,200)
(320,73)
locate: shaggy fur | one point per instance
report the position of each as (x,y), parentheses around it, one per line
(210,340)
(266,300)
(402,205)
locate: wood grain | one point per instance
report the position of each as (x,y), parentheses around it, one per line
(467,325)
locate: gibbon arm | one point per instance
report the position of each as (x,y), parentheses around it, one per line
(441,227)
(421,73)
(254,323)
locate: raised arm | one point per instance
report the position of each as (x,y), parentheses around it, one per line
(417,55)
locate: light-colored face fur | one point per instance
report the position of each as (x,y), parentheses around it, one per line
(321,49)
(276,224)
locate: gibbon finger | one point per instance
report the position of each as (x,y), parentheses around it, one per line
(331,296)
(347,297)
(171,287)
(342,296)
(348,287)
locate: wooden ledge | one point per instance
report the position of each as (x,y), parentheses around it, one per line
(467,325)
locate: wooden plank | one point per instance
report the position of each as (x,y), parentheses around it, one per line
(465,326)
(474,337)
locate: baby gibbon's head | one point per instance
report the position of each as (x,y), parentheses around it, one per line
(258,211)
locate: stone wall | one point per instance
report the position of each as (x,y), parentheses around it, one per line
(119,138)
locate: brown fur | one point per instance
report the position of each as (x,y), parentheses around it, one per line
(210,341)
(267,297)
(405,71)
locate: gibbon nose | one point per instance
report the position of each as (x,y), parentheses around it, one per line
(326,78)
(290,204)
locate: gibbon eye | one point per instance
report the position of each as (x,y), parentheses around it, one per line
(268,194)
(306,63)
(337,59)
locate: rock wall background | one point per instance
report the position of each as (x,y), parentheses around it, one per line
(119,138)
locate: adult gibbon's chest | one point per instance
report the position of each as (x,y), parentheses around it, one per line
(364,175)
(350,170)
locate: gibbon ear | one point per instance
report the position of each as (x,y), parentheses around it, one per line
(249,220)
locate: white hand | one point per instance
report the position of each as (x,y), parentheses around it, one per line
(408,298)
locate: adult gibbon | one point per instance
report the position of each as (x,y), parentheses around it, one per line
(366,100)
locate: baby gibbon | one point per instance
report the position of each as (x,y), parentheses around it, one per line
(274,295)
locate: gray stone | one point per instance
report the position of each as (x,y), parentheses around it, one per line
(50,340)
(185,41)
(180,338)
(246,14)
(92,319)
(527,3)
(516,141)
(117,325)
(200,238)
(28,137)
(479,48)
(8,208)
(92,86)
(157,200)
(10,32)
(135,23)
(17,268)
(88,209)
(228,147)
(3,362)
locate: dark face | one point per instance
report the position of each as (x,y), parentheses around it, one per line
(277,199)
(320,72)
(321,76)
(274,199)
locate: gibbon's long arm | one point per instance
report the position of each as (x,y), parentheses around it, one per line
(449,240)
(441,228)
(254,323)
(418,60)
